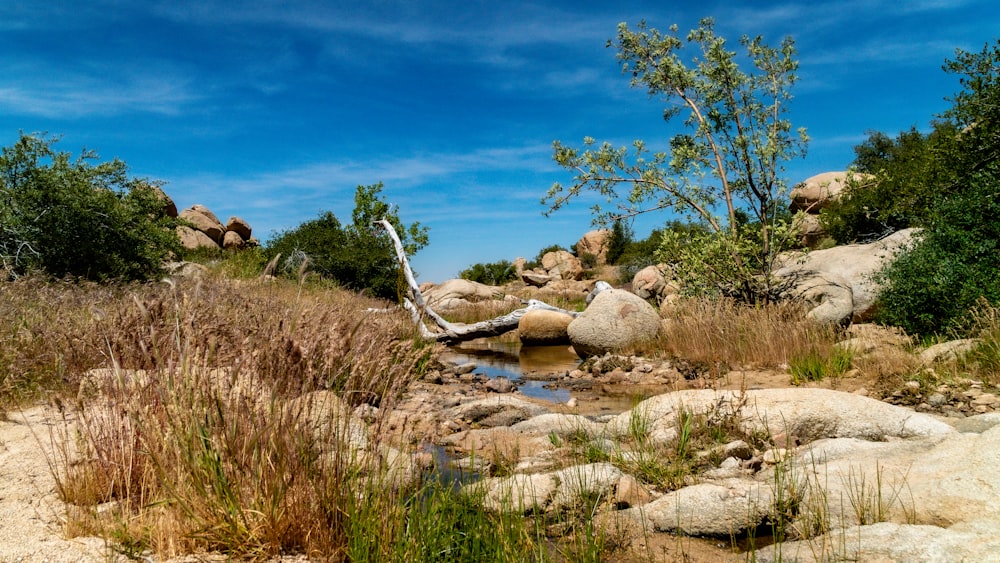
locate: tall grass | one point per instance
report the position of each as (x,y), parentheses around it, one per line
(723,331)
(221,420)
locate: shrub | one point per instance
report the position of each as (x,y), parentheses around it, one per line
(492,273)
(358,256)
(932,287)
(75,218)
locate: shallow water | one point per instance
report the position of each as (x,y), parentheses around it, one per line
(511,360)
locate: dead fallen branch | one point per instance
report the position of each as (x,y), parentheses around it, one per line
(451,333)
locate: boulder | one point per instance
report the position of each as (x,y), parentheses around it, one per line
(949,351)
(192,239)
(808,229)
(596,243)
(818,191)
(709,509)
(614,320)
(543,328)
(560,264)
(838,282)
(536,279)
(458,292)
(232,240)
(810,414)
(651,282)
(239,226)
(205,221)
(169,207)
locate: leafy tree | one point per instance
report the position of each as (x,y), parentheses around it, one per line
(76,217)
(492,273)
(953,267)
(731,152)
(618,241)
(898,184)
(359,256)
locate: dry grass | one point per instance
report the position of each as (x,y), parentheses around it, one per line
(733,334)
(187,440)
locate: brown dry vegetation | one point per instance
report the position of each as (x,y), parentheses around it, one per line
(182,433)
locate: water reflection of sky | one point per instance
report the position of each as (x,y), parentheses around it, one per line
(510,360)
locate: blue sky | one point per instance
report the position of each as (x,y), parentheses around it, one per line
(274,110)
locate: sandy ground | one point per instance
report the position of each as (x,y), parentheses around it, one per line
(32,518)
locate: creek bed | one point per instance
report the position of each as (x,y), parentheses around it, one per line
(519,364)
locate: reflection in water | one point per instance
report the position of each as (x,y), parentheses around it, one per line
(510,360)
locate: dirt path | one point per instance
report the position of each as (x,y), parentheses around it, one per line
(31,516)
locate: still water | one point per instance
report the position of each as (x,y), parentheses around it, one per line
(511,360)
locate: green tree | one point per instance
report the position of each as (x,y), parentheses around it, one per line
(78,217)
(618,241)
(358,256)
(899,182)
(491,273)
(730,155)
(953,266)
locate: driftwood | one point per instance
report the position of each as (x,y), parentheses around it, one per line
(451,333)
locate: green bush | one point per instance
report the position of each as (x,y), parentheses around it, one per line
(492,273)
(953,267)
(358,256)
(931,288)
(76,218)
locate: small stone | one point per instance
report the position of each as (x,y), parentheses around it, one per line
(571,403)
(937,399)
(775,456)
(500,385)
(465,368)
(862,392)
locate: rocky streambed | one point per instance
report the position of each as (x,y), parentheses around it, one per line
(835,474)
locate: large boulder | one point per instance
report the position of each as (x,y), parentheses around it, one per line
(459,292)
(614,320)
(543,328)
(818,191)
(169,207)
(561,264)
(192,239)
(205,221)
(239,226)
(232,240)
(596,243)
(838,282)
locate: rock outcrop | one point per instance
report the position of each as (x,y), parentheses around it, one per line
(202,229)
(810,197)
(596,243)
(837,282)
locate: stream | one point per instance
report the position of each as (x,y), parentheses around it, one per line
(511,360)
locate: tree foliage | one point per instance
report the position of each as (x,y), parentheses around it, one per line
(78,217)
(491,273)
(898,183)
(358,255)
(730,154)
(953,267)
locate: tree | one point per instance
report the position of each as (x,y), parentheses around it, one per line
(74,217)
(953,267)
(359,256)
(731,152)
(908,176)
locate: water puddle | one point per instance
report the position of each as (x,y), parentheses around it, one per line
(511,360)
